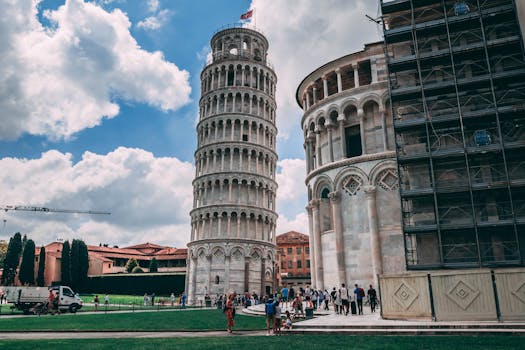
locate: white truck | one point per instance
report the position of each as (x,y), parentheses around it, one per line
(35,299)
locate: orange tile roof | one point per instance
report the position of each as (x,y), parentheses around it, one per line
(292,237)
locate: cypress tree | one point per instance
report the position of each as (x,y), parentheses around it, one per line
(74,265)
(11,259)
(27,266)
(41,267)
(83,259)
(65,264)
(153,265)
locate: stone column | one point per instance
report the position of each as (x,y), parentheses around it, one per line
(375,240)
(383,115)
(318,244)
(314,90)
(318,146)
(361,116)
(339,80)
(227,259)
(192,294)
(335,200)
(307,151)
(263,270)
(373,69)
(341,120)
(325,86)
(329,128)
(313,267)
(307,100)
(356,76)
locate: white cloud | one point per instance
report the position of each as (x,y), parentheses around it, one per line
(153,5)
(149,198)
(298,223)
(156,21)
(304,36)
(59,80)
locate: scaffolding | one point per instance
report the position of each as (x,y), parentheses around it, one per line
(457,88)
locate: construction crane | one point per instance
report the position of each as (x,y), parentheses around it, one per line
(50,210)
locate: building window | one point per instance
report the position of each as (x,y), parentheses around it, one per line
(289,250)
(298,250)
(308,263)
(245,137)
(307,250)
(353,141)
(217,280)
(290,264)
(299,264)
(282,264)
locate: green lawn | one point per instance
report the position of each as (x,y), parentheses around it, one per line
(146,321)
(324,342)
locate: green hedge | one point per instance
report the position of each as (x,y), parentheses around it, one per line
(136,284)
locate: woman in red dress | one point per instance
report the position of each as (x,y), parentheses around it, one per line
(230,312)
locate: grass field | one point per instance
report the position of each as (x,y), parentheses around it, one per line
(137,321)
(324,342)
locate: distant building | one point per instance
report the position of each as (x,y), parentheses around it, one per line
(107,260)
(293,259)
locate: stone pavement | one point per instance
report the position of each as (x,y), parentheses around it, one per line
(372,324)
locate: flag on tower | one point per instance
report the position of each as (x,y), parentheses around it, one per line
(247,15)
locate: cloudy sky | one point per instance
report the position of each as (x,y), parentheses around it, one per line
(99,99)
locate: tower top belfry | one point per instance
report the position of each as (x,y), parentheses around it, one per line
(232,247)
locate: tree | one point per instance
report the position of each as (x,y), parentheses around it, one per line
(27,266)
(65,264)
(153,265)
(3,253)
(130,265)
(41,267)
(79,264)
(11,259)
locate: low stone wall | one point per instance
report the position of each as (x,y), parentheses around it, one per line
(456,295)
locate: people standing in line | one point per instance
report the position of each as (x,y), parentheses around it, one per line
(345,298)
(338,303)
(96,301)
(230,312)
(372,298)
(359,293)
(269,310)
(277,321)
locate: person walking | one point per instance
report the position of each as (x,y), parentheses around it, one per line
(372,298)
(326,299)
(338,303)
(359,293)
(96,301)
(172,299)
(106,300)
(230,312)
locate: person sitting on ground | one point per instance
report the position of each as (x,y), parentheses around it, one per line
(287,324)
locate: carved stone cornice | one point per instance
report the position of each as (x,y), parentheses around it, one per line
(351,161)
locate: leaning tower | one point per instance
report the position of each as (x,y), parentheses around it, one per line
(232,245)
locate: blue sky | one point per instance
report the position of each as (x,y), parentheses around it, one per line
(99,100)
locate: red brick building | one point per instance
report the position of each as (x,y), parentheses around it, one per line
(293,259)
